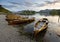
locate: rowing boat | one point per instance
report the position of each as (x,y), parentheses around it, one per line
(14,19)
(41,25)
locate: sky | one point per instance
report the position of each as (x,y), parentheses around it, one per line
(36,5)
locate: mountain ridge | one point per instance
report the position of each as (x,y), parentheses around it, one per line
(3,10)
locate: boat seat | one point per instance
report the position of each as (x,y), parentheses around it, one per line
(39,25)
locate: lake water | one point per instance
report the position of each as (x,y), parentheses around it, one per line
(15,33)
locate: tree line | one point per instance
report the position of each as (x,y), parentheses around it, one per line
(55,12)
(27,12)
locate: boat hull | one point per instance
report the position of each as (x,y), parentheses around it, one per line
(17,22)
(15,19)
(41,28)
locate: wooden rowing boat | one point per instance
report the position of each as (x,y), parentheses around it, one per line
(14,19)
(41,25)
(21,21)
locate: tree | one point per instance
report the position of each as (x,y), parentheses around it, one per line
(55,12)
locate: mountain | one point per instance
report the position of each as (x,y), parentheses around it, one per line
(45,12)
(3,10)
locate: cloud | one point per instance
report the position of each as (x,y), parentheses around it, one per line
(40,5)
(9,6)
(49,2)
(46,3)
(52,2)
(28,4)
(15,3)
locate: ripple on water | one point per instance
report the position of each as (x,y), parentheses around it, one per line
(10,34)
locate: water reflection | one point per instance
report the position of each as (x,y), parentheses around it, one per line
(28,31)
(53,28)
(52,33)
(41,35)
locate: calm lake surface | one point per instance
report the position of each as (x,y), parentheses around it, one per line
(15,33)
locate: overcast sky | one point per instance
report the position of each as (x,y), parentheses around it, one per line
(37,5)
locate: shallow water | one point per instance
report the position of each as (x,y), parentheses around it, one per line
(13,33)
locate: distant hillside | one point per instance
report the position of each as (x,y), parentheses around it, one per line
(3,10)
(55,12)
(27,12)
